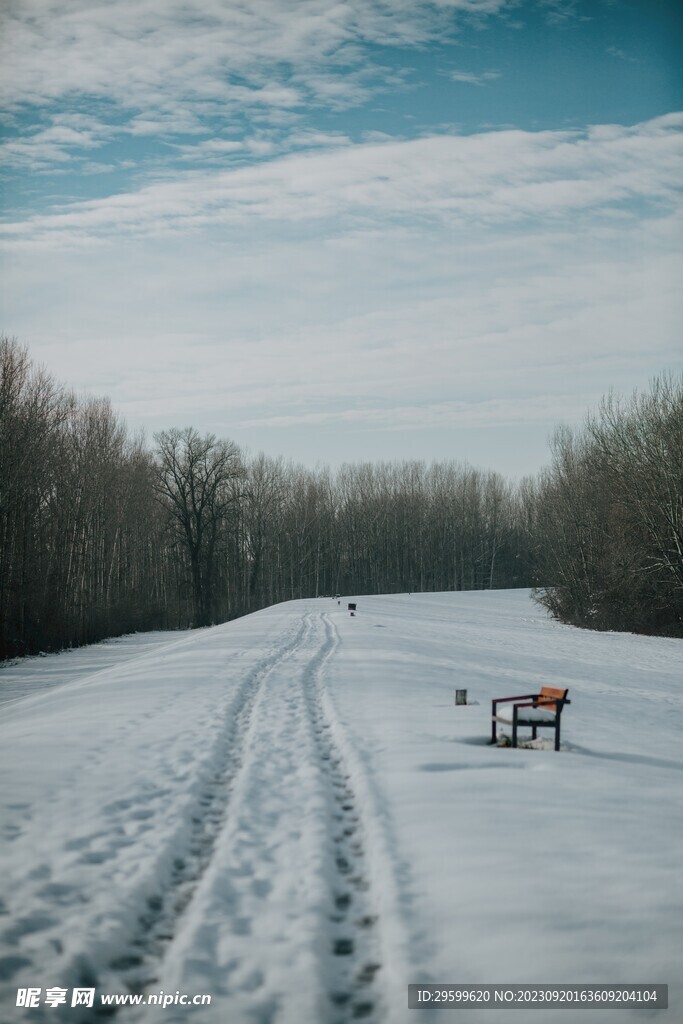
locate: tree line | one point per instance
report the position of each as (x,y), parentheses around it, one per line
(606,518)
(102,534)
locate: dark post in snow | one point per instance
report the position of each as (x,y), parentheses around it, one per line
(461,696)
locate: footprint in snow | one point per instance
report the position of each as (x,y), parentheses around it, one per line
(343,947)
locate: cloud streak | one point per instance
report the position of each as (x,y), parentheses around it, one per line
(491,178)
(474,78)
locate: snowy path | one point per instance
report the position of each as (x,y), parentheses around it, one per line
(288,813)
(292,803)
(219,843)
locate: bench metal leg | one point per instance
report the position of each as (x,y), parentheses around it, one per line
(514,730)
(557,734)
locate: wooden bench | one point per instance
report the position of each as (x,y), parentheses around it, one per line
(539,710)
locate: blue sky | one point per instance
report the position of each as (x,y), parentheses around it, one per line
(342,231)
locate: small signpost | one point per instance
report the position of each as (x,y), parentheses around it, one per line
(461,696)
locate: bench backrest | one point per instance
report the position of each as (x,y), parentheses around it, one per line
(550,694)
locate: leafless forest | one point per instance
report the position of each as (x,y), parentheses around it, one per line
(102,533)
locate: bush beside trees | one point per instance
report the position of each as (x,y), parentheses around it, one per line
(607,516)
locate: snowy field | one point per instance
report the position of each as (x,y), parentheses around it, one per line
(288,813)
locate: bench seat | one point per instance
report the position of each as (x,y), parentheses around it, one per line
(525,715)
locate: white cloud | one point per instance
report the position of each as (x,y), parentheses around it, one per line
(474,78)
(499,177)
(162,70)
(615,51)
(274,278)
(384,331)
(146,55)
(444,282)
(43,147)
(562,11)
(498,412)
(210,149)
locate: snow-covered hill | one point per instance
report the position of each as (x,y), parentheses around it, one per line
(288,813)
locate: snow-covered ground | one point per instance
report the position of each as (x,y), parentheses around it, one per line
(20,678)
(288,813)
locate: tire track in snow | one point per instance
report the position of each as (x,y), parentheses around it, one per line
(287,878)
(137,966)
(254,925)
(389,892)
(352,962)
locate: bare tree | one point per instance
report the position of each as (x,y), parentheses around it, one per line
(195,486)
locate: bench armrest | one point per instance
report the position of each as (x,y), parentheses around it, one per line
(523,696)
